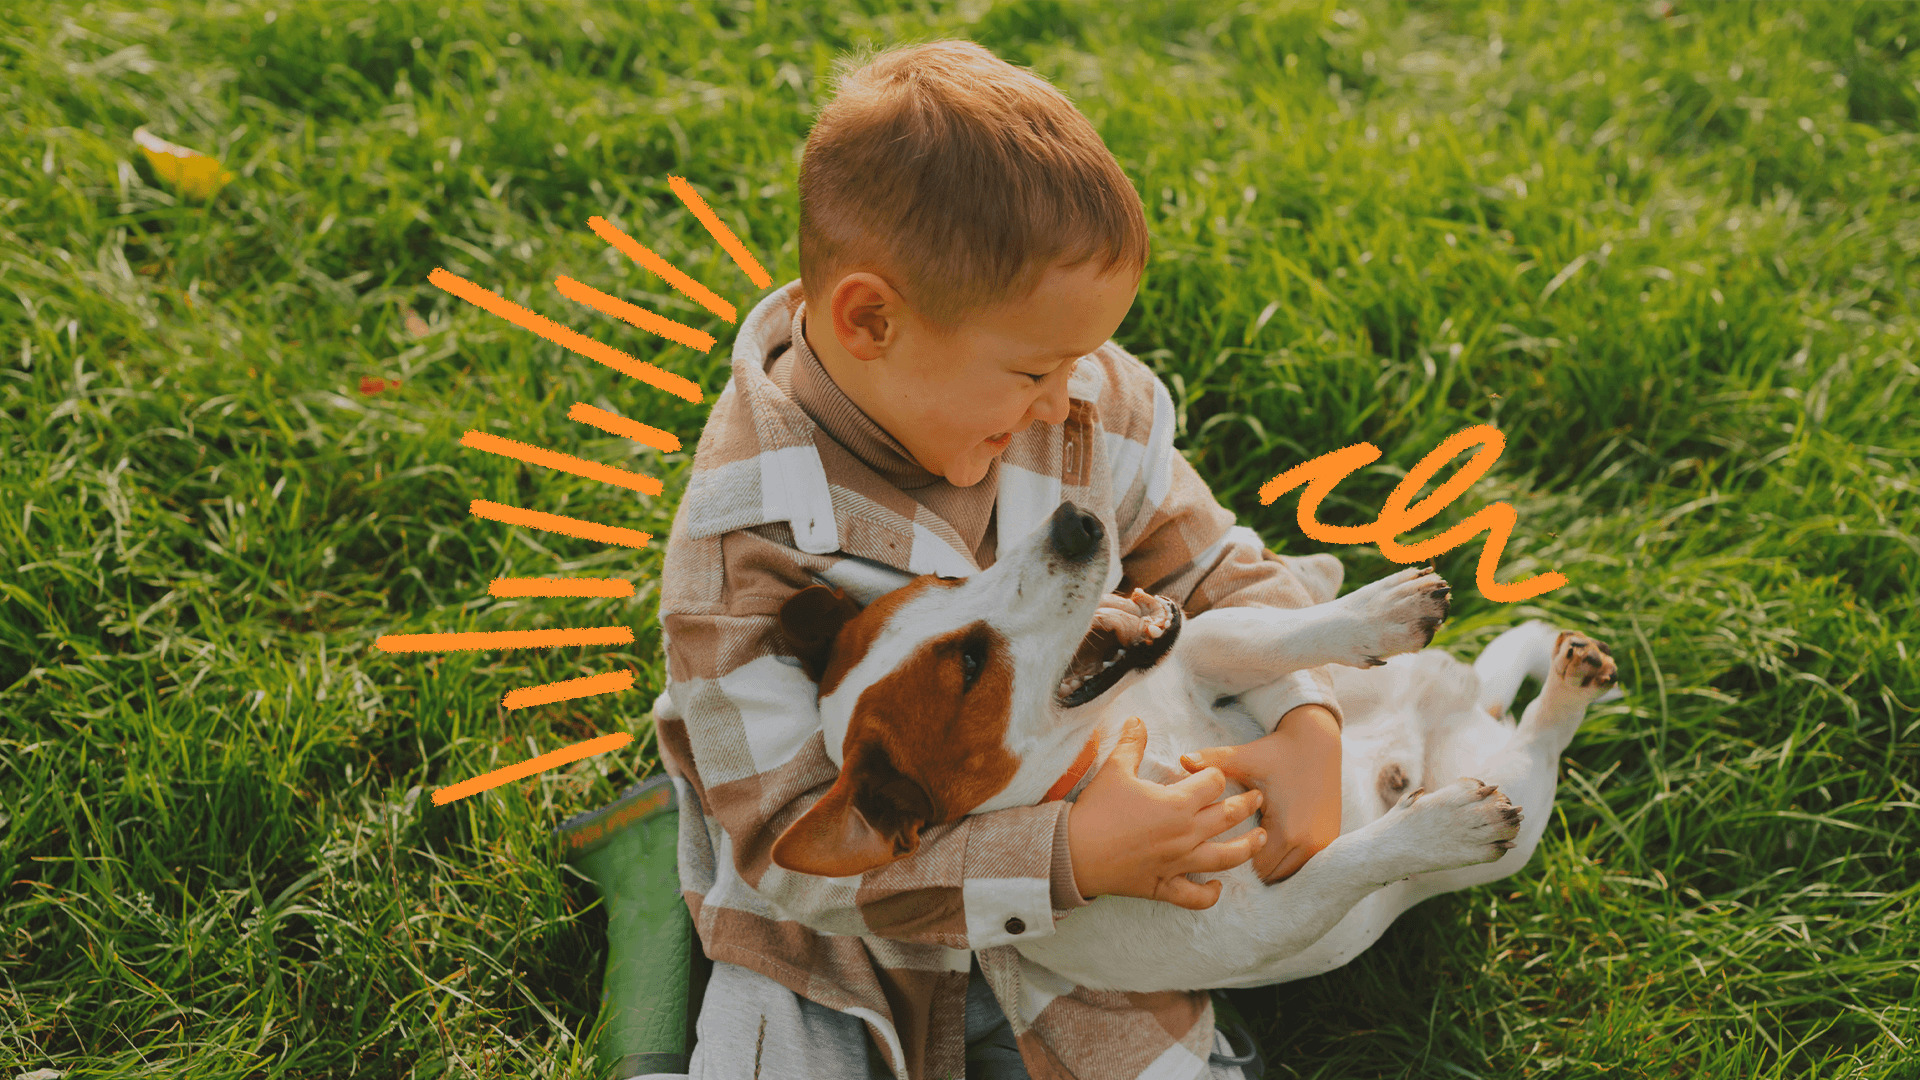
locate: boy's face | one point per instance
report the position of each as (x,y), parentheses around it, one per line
(956,401)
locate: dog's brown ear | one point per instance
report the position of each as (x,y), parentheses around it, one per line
(810,620)
(871,816)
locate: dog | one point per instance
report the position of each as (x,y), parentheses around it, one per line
(1009,687)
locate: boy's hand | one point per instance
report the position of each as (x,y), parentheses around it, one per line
(1298,769)
(1133,837)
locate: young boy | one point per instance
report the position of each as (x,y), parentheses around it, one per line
(937,381)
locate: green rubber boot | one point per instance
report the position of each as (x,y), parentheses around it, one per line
(651,993)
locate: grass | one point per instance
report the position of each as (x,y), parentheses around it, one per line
(1670,253)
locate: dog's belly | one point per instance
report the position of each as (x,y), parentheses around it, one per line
(1406,713)
(1181,719)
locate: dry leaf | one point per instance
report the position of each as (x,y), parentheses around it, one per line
(194,173)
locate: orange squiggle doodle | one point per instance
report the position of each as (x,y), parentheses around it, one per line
(505,639)
(486,781)
(552,459)
(639,253)
(719,231)
(1321,474)
(567,338)
(565,526)
(505,586)
(679,333)
(566,690)
(615,424)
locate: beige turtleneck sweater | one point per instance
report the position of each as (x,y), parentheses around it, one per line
(800,375)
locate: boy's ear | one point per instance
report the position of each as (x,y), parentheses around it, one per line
(871,816)
(810,620)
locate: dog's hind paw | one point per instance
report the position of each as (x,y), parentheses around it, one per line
(1582,667)
(1463,823)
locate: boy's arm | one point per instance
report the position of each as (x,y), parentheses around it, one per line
(1178,540)
(747,736)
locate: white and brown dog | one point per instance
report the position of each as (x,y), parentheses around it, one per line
(953,696)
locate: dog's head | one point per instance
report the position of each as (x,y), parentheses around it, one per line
(950,696)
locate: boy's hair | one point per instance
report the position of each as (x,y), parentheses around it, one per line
(959,178)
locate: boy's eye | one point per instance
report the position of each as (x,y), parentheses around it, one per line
(1035,378)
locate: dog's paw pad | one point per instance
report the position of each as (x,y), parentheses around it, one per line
(1584,664)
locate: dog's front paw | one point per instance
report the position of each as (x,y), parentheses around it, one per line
(1461,824)
(1397,614)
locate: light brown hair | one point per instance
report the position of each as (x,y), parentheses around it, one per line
(961,179)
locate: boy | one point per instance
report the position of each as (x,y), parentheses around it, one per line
(967,247)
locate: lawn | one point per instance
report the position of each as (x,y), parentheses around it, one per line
(1670,253)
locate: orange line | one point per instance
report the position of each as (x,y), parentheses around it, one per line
(545,694)
(488,781)
(560,335)
(507,586)
(679,333)
(565,526)
(534,455)
(505,639)
(719,231)
(688,287)
(615,424)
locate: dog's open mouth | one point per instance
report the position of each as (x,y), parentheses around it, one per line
(1130,633)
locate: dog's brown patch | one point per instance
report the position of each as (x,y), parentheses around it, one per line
(858,634)
(922,748)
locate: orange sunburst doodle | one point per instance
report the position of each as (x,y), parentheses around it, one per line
(559,523)
(640,317)
(615,424)
(505,639)
(567,689)
(678,386)
(490,780)
(638,252)
(741,256)
(553,459)
(612,423)
(505,586)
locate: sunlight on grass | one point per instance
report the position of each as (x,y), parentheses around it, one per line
(1669,253)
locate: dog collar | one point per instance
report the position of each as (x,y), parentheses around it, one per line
(1081,763)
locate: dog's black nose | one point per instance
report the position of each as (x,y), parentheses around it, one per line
(1074,532)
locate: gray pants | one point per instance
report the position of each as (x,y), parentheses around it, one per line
(750,1027)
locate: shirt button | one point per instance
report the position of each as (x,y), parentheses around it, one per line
(1015,926)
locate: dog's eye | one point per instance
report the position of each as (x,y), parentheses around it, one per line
(972,658)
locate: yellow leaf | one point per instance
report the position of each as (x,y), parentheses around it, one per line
(194,173)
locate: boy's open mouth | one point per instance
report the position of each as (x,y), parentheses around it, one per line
(1000,440)
(1129,633)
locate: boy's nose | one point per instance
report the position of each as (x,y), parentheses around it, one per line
(1051,406)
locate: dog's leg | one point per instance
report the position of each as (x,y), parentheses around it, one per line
(1232,650)
(1523,652)
(1527,768)
(1524,768)
(1463,825)
(1129,943)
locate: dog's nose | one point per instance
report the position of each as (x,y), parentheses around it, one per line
(1074,532)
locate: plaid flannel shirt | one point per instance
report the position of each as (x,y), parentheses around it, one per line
(764,515)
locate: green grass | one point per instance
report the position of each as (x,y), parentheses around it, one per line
(1671,255)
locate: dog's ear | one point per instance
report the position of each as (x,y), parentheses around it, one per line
(871,816)
(810,620)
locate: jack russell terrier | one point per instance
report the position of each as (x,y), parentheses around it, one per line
(952,696)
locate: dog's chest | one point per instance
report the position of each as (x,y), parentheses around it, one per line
(1180,719)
